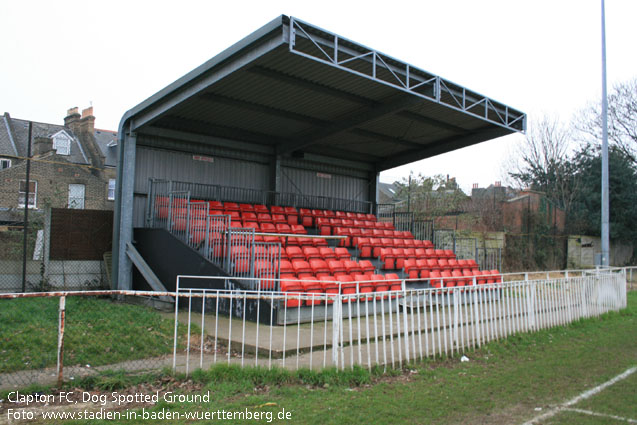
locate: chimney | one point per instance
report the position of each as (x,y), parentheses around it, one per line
(498,184)
(87,122)
(475,185)
(42,145)
(72,117)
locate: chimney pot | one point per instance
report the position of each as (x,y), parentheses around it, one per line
(88,112)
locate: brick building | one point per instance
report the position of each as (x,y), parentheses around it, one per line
(72,165)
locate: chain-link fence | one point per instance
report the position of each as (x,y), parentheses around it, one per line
(63,250)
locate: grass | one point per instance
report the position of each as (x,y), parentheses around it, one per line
(98,331)
(504,382)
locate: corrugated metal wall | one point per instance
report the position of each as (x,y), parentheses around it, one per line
(323,183)
(180,166)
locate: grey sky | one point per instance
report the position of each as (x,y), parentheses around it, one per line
(540,56)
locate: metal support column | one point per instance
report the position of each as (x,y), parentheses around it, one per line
(126,174)
(373,191)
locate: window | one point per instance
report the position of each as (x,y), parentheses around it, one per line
(76,196)
(111,190)
(33,193)
(4,163)
(62,144)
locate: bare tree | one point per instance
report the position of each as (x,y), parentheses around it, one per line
(622,119)
(544,162)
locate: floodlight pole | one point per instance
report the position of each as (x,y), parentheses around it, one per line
(605,198)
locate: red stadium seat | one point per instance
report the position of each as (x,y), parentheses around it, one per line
(399,257)
(230,206)
(435,279)
(319,267)
(275,209)
(352,267)
(246,207)
(292,215)
(329,285)
(312,285)
(215,206)
(248,216)
(336,267)
(347,284)
(380,285)
(364,247)
(387,258)
(294,253)
(324,226)
(365,285)
(264,218)
(367,267)
(286,270)
(411,268)
(260,208)
(394,282)
(310,253)
(327,253)
(306,217)
(342,253)
(301,268)
(291,286)
(279,218)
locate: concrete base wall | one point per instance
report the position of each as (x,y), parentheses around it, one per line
(582,250)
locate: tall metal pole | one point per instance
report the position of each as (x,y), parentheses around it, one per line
(26,212)
(605,197)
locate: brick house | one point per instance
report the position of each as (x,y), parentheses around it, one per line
(72,165)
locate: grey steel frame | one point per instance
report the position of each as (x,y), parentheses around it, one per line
(338,52)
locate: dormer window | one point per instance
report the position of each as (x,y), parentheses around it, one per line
(62,143)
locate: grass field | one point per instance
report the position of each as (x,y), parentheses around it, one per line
(28,335)
(510,381)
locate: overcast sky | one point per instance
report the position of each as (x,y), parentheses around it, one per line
(539,56)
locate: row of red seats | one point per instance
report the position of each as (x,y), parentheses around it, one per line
(352,235)
(307,217)
(457,278)
(326,225)
(343,284)
(310,218)
(311,252)
(319,267)
(414,267)
(394,258)
(370,247)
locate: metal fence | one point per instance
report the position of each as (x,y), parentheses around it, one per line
(489,258)
(444,239)
(234,249)
(31,267)
(82,333)
(210,192)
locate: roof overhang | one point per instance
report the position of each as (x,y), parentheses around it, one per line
(293,89)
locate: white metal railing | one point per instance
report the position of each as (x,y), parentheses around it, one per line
(384,328)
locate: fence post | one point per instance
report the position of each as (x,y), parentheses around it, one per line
(60,365)
(336,324)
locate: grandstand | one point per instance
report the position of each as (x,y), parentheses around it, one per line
(263,163)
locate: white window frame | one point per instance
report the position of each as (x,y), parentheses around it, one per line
(76,202)
(110,195)
(62,143)
(5,163)
(23,192)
